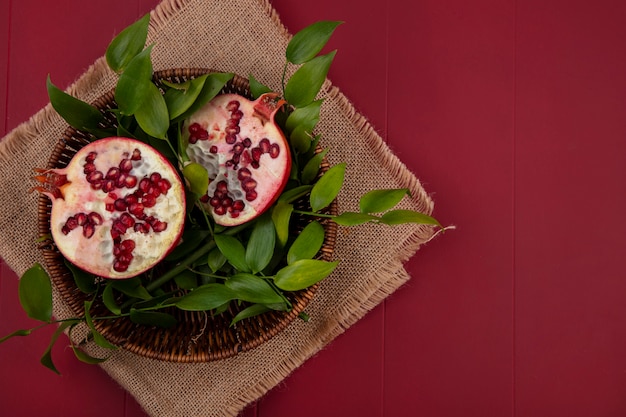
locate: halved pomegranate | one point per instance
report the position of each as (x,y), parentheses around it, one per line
(117,208)
(245,153)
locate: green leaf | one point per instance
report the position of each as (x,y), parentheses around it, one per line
(307,244)
(256,88)
(216,260)
(307,117)
(281,215)
(248,287)
(84,357)
(261,244)
(35,293)
(108,298)
(152,116)
(212,86)
(84,280)
(312,167)
(233,250)
(197,178)
(293,194)
(180,100)
(131,287)
(251,311)
(190,241)
(152,318)
(300,139)
(377,201)
(46,358)
(75,112)
(206,297)
(309,41)
(127,44)
(97,337)
(353,219)
(303,273)
(395,217)
(186,280)
(327,187)
(305,83)
(132,90)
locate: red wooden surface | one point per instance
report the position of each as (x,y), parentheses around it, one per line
(513,114)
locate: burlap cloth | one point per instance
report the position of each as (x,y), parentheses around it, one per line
(241,36)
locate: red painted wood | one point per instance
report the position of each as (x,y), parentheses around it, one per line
(512,114)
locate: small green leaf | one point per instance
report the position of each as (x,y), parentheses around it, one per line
(108,298)
(233,250)
(152,318)
(35,293)
(152,116)
(132,90)
(216,260)
(377,201)
(327,187)
(307,116)
(248,287)
(305,83)
(84,280)
(281,214)
(312,167)
(212,86)
(46,358)
(75,112)
(307,244)
(206,297)
(84,357)
(309,41)
(395,217)
(300,139)
(178,101)
(186,280)
(131,287)
(256,88)
(261,244)
(293,194)
(97,337)
(127,44)
(353,219)
(251,311)
(197,178)
(303,273)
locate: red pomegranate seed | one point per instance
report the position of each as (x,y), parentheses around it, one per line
(120,181)
(127,245)
(215,202)
(230,139)
(89,168)
(120,266)
(256,154)
(91,156)
(136,209)
(131,181)
(81,218)
(155,177)
(219,210)
(113,173)
(243,173)
(95,218)
(126,165)
(213,149)
(238,205)
(71,223)
(88,230)
(247,142)
(127,220)
(144,184)
(148,200)
(251,195)
(274,150)
(248,184)
(232,106)
(136,155)
(95,176)
(264,144)
(108,185)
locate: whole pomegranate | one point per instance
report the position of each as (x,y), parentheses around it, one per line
(245,153)
(117,208)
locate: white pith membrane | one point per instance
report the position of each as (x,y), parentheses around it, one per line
(245,153)
(154,230)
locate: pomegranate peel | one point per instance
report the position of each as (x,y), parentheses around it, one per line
(118,207)
(244,152)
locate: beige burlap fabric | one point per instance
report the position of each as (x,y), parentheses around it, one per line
(237,36)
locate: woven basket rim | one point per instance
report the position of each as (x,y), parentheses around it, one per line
(193,340)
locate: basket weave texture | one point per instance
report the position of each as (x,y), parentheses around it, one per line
(198,336)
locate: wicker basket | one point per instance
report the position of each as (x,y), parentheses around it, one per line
(198,336)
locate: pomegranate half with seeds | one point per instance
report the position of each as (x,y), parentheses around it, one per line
(117,208)
(245,153)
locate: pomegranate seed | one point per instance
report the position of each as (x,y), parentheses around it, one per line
(204,198)
(120,181)
(71,223)
(65,230)
(194,128)
(247,142)
(215,202)
(159,226)
(230,139)
(120,266)
(115,235)
(136,155)
(81,218)
(164,185)
(89,168)
(155,177)
(148,200)
(117,250)
(113,173)
(238,205)
(88,230)
(219,210)
(126,165)
(231,132)
(248,184)
(94,177)
(251,195)
(127,245)
(222,186)
(243,174)
(256,154)
(127,220)
(264,144)
(131,181)
(136,209)
(118,227)
(108,185)
(130,199)
(213,149)
(238,148)
(120,204)
(144,184)
(236,115)
(95,218)
(109,207)
(91,156)
(232,106)
(96,185)
(227,202)
(235,213)
(274,150)
(193,139)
